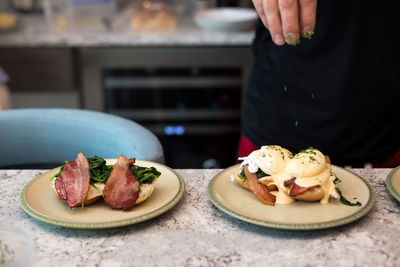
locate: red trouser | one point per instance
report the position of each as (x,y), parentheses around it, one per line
(246,147)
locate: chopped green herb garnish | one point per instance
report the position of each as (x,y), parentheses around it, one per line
(297,42)
(309,34)
(337,180)
(309,150)
(344,200)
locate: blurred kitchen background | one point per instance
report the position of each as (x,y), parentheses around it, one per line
(173,66)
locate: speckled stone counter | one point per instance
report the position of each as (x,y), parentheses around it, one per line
(32,32)
(195,233)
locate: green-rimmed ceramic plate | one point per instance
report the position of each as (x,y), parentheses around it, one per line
(242,204)
(393,183)
(38,200)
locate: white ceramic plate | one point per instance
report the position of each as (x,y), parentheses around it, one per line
(393,183)
(226,19)
(242,204)
(39,201)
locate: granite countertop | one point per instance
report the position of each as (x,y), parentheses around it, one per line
(195,233)
(33,32)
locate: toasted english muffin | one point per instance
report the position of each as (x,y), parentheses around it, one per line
(145,190)
(239,181)
(245,183)
(94,193)
(314,194)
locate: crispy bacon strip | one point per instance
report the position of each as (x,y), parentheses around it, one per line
(60,188)
(290,182)
(260,190)
(328,159)
(298,190)
(76,180)
(122,188)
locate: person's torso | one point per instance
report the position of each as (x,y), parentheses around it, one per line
(337,91)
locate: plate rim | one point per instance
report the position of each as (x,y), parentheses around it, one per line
(103,225)
(291,226)
(389,184)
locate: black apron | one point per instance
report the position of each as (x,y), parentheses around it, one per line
(338,92)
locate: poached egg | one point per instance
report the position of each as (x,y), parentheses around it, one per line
(270,159)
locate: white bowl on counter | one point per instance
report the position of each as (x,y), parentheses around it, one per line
(226,19)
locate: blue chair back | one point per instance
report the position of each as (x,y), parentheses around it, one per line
(41,136)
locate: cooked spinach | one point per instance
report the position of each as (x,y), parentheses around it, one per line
(337,180)
(99,170)
(59,172)
(259,174)
(145,175)
(344,200)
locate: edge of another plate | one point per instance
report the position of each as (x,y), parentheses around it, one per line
(121,223)
(389,184)
(282,226)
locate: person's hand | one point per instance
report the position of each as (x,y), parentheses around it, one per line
(286,20)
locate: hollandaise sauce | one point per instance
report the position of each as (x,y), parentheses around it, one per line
(309,168)
(282,198)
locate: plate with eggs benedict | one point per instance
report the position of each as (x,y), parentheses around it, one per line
(275,188)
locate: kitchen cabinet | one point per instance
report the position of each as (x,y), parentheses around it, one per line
(39,69)
(41,77)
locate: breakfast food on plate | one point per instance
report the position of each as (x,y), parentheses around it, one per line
(84,181)
(122,188)
(73,184)
(312,177)
(275,175)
